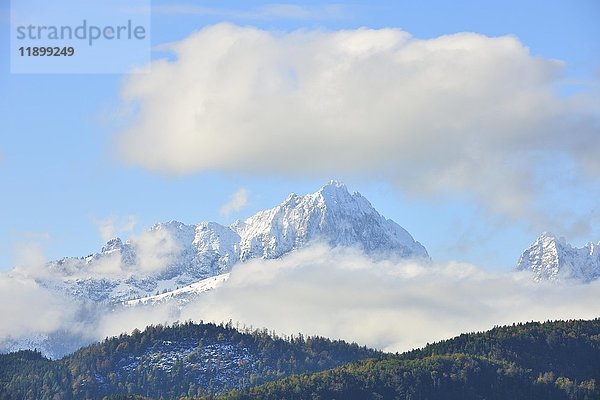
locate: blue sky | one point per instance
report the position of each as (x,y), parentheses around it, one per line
(61,170)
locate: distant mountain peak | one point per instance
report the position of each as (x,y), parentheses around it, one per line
(174,262)
(112,245)
(336,190)
(551,237)
(191,253)
(171,225)
(334,185)
(547,235)
(292,198)
(332,215)
(552,258)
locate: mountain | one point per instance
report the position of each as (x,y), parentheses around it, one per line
(169,362)
(175,263)
(551,360)
(182,295)
(332,214)
(172,254)
(552,258)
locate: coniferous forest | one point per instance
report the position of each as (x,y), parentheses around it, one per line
(551,360)
(170,362)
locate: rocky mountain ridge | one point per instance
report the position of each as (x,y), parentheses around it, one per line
(552,258)
(172,254)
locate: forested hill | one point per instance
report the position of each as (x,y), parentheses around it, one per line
(170,362)
(552,360)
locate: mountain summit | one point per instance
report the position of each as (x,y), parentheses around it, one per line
(331,214)
(552,258)
(174,254)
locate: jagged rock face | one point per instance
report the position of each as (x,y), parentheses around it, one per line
(551,258)
(333,215)
(174,254)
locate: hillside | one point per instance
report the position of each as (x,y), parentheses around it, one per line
(182,360)
(552,360)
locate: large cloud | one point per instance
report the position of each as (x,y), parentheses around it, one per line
(458,113)
(387,304)
(339,293)
(26,307)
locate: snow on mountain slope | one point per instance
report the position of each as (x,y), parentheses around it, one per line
(174,254)
(552,258)
(184,294)
(331,214)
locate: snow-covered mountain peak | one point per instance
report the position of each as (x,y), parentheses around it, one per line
(173,254)
(552,258)
(175,231)
(114,244)
(332,215)
(292,198)
(334,188)
(335,192)
(174,227)
(593,248)
(551,238)
(545,236)
(173,261)
(335,183)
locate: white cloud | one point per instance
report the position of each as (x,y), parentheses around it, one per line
(26,307)
(125,320)
(143,255)
(338,293)
(112,226)
(111,267)
(29,255)
(237,201)
(30,259)
(461,113)
(154,249)
(388,305)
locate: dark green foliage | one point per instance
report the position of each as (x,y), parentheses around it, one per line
(553,360)
(27,374)
(182,360)
(567,348)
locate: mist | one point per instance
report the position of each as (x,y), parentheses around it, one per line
(392,305)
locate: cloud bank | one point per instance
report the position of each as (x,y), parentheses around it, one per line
(390,305)
(338,293)
(26,307)
(461,113)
